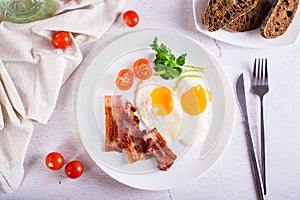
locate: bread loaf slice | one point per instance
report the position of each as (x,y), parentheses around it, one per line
(252,19)
(219,13)
(279,18)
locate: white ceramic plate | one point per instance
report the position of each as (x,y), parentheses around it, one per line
(252,39)
(97,79)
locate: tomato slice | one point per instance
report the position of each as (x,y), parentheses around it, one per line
(61,39)
(125,79)
(74,169)
(142,69)
(131,18)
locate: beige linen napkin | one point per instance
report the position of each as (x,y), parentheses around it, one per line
(32,72)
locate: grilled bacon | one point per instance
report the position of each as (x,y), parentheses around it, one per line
(111,139)
(158,147)
(123,134)
(122,129)
(137,148)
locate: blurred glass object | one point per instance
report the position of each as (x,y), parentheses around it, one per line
(24,11)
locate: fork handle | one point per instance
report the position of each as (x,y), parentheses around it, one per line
(263,146)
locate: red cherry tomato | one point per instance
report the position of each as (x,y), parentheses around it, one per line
(131,18)
(142,69)
(125,79)
(74,169)
(61,39)
(54,161)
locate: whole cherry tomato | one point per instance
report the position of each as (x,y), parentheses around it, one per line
(142,69)
(131,18)
(61,39)
(74,169)
(125,79)
(54,161)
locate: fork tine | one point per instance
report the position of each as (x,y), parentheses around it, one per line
(254,70)
(261,68)
(266,72)
(258,72)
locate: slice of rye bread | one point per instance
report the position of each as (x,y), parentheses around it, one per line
(219,13)
(279,19)
(252,19)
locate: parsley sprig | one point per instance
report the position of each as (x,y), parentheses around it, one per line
(168,66)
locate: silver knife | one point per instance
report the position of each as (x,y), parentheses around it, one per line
(240,90)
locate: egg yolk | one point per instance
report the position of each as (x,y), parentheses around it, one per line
(162,100)
(194,100)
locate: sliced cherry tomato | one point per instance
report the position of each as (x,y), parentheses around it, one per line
(131,18)
(61,39)
(74,169)
(142,69)
(125,79)
(54,161)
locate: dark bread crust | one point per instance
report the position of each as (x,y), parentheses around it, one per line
(252,19)
(280,18)
(219,13)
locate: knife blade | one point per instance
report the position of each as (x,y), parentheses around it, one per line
(240,90)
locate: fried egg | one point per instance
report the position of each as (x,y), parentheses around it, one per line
(195,100)
(158,107)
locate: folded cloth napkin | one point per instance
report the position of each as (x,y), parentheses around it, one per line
(32,72)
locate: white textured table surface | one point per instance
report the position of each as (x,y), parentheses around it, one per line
(231,177)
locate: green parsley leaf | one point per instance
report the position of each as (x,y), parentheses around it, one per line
(168,66)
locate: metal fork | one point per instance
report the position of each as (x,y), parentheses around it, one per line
(260,86)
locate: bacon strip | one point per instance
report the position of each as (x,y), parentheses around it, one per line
(137,148)
(158,146)
(122,129)
(127,122)
(123,133)
(111,139)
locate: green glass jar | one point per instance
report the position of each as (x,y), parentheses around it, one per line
(24,11)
